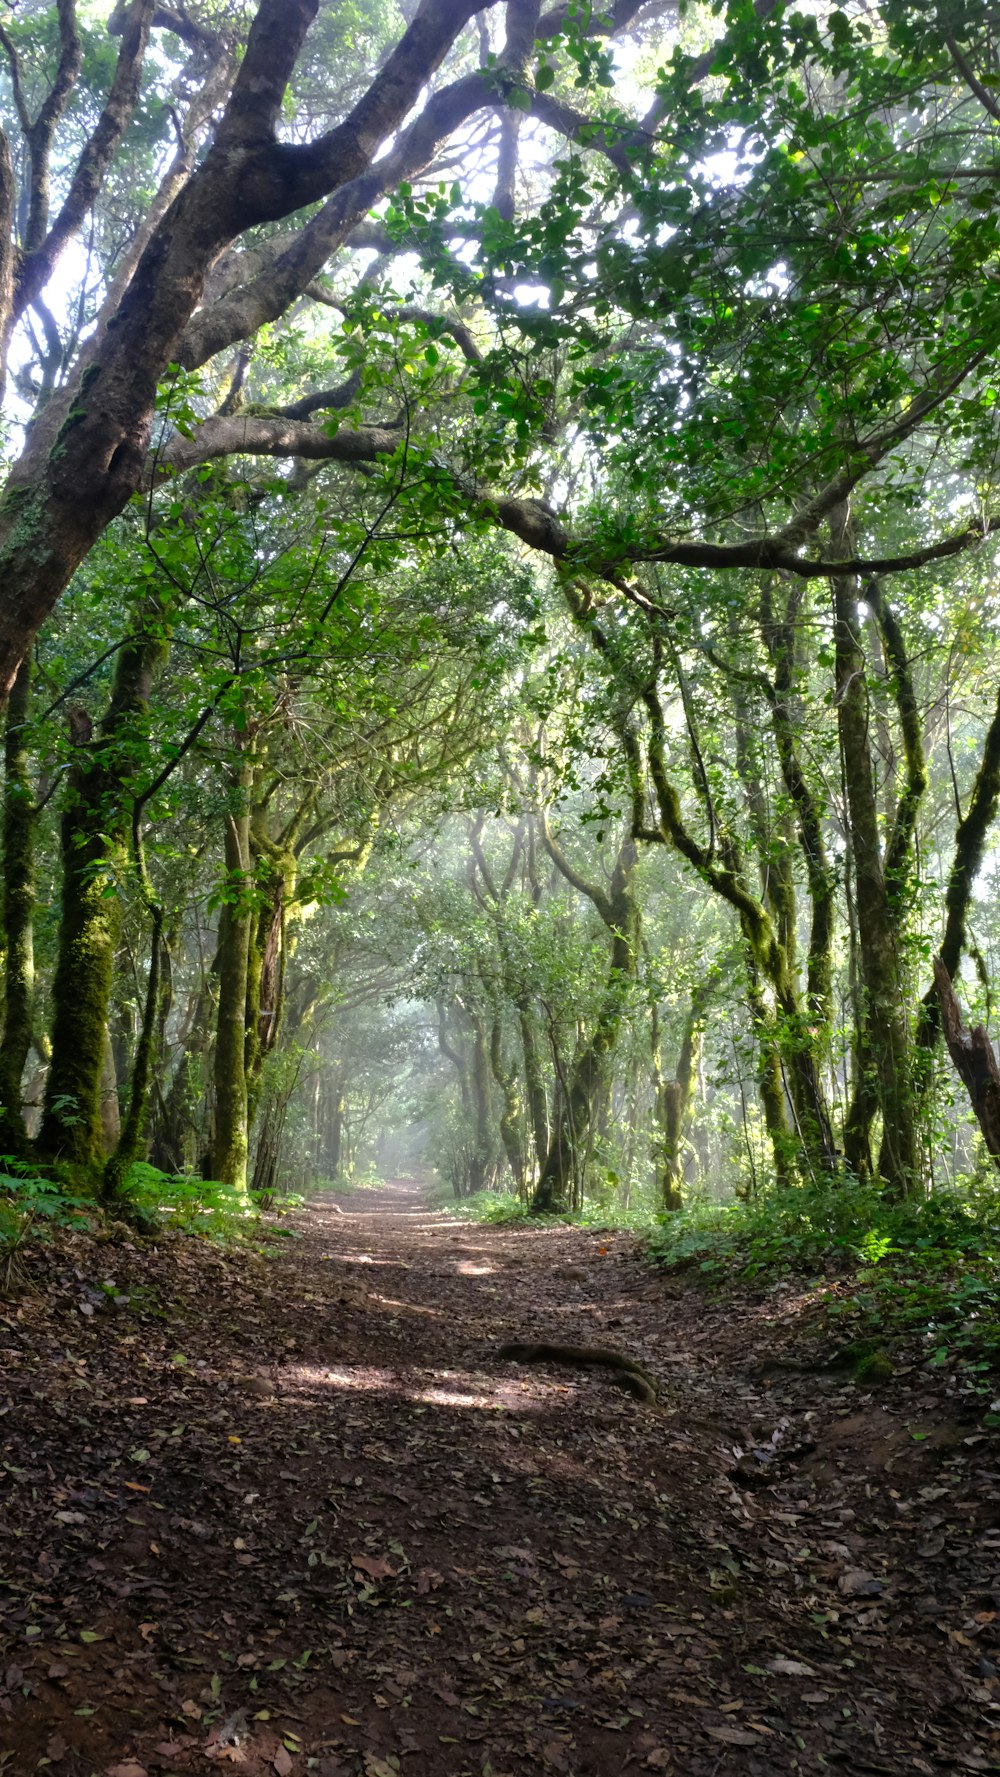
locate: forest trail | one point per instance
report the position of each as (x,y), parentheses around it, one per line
(292,1515)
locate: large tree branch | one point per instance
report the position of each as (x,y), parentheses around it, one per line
(593,890)
(254,435)
(39,134)
(37,266)
(987,99)
(870,451)
(8,205)
(199,114)
(271,292)
(536,523)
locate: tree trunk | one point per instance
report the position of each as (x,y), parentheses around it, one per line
(576,1108)
(92,855)
(19,818)
(510,1108)
(129,1147)
(534,1084)
(673,1101)
(970,846)
(770,1086)
(482,1098)
(93,829)
(231,1137)
(887,1031)
(176,1138)
(975,1062)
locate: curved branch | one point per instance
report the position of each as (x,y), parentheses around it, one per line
(38,264)
(593,891)
(240,434)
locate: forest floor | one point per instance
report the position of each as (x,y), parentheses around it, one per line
(292,1514)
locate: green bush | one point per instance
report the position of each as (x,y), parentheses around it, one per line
(157,1199)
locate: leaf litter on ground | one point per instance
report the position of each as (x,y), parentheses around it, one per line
(404,1556)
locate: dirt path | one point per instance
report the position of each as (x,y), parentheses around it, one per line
(292,1515)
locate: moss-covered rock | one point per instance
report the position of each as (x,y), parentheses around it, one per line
(874,1369)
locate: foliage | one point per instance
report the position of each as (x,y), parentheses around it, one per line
(34,1205)
(194,1206)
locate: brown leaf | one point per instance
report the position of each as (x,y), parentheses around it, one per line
(56,1748)
(733,1736)
(856,1583)
(282,1761)
(375,1568)
(128,1769)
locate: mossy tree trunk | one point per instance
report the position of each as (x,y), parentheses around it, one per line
(481,1162)
(335,1129)
(511,1110)
(176,1134)
(130,1147)
(93,831)
(577,1105)
(970,848)
(974,1059)
(779,627)
(230,1139)
(673,1103)
(785,1147)
(768,925)
(19,818)
(535,1092)
(887,1036)
(787,1030)
(275,864)
(92,857)
(793,1034)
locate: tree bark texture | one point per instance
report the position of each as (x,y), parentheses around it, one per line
(887,1029)
(974,1059)
(230,1142)
(578,1105)
(19,818)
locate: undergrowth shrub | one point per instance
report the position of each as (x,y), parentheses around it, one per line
(32,1206)
(191,1205)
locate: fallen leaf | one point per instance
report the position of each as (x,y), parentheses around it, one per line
(128,1769)
(375,1569)
(282,1761)
(733,1736)
(856,1583)
(56,1748)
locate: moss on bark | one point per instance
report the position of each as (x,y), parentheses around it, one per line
(19,818)
(230,1142)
